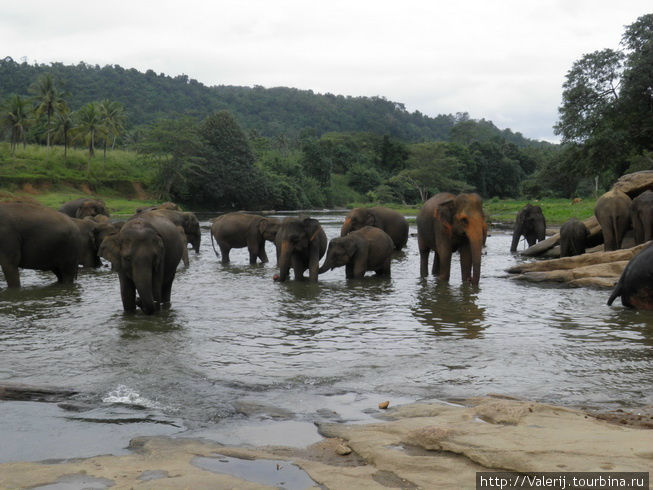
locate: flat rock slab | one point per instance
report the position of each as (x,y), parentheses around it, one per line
(432,445)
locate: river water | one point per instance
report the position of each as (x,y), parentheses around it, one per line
(241,359)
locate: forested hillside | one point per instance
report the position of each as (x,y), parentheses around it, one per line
(268,111)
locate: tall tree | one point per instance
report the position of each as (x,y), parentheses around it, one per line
(15,119)
(48,100)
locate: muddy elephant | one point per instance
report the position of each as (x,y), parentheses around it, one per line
(389,220)
(573,238)
(301,243)
(187,220)
(635,286)
(145,253)
(448,223)
(84,206)
(238,230)
(612,211)
(36,237)
(91,235)
(641,215)
(366,249)
(530,223)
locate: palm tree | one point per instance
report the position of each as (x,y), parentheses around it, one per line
(48,100)
(89,126)
(63,126)
(15,118)
(113,118)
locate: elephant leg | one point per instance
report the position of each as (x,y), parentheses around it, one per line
(127,293)
(444,262)
(423,258)
(224,251)
(12,276)
(349,271)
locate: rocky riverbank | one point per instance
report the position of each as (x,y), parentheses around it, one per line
(425,445)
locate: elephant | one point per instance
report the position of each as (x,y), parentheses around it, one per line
(301,243)
(165,205)
(91,235)
(447,223)
(35,237)
(238,230)
(573,238)
(635,286)
(145,253)
(641,214)
(389,220)
(82,207)
(187,220)
(612,211)
(365,249)
(531,224)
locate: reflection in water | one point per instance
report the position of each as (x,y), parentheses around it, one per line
(449,310)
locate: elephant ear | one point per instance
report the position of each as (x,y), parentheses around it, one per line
(110,250)
(312,227)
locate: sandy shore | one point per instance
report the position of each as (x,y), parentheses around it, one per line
(433,445)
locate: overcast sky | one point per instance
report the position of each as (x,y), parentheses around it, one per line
(502,60)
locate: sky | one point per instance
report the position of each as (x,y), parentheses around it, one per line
(500,60)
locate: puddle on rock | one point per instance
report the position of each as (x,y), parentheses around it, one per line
(277,473)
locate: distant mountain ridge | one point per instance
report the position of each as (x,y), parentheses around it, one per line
(272,112)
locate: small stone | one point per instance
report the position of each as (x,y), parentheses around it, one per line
(384,405)
(343,450)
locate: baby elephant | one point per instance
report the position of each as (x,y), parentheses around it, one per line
(367,249)
(635,285)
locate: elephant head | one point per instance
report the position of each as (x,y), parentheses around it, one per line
(463,228)
(301,243)
(91,207)
(340,252)
(356,219)
(531,224)
(268,228)
(137,253)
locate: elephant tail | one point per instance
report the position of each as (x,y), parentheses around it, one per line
(213,245)
(618,289)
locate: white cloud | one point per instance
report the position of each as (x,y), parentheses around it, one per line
(504,61)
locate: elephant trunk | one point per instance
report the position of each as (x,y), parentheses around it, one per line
(475,237)
(143,281)
(515,237)
(284,260)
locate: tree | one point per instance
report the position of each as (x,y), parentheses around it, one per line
(48,100)
(15,119)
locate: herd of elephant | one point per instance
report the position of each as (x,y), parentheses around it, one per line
(146,249)
(616,214)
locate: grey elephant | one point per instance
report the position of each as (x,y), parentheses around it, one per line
(448,223)
(612,211)
(301,243)
(388,220)
(187,220)
(366,249)
(530,223)
(145,253)
(36,237)
(238,230)
(84,206)
(641,214)
(573,238)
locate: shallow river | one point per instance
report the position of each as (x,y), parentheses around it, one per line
(241,359)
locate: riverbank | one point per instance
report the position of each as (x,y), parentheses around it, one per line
(423,445)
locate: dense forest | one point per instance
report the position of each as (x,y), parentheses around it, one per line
(242,147)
